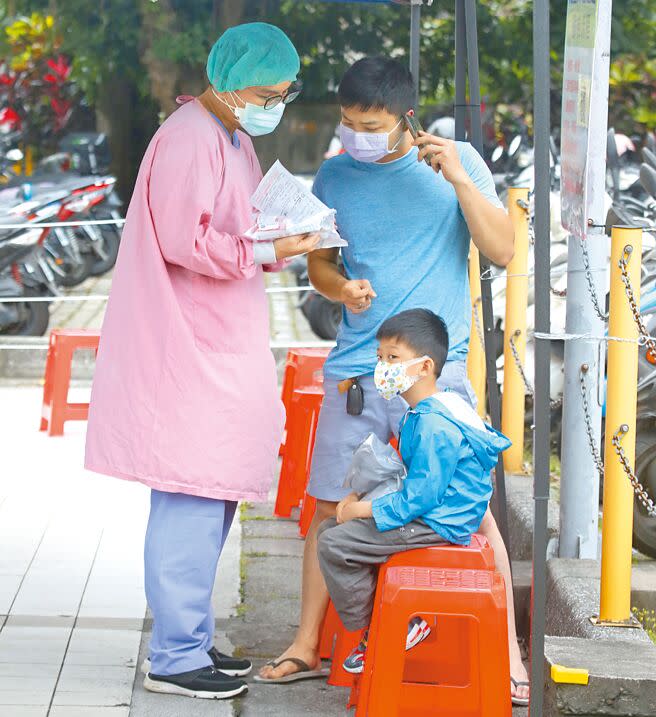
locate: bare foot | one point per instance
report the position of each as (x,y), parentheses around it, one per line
(518,673)
(302,652)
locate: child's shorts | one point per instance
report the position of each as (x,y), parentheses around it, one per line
(339,434)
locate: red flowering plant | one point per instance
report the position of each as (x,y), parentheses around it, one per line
(36,92)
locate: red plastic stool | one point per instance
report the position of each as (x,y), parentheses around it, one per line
(56,410)
(329,630)
(345,641)
(302,421)
(300,369)
(462,669)
(478,555)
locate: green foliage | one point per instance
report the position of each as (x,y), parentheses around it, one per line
(120,38)
(36,93)
(648,620)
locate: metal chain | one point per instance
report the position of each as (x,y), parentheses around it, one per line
(518,362)
(638,488)
(554,403)
(531,228)
(642,329)
(477,322)
(592,444)
(588,276)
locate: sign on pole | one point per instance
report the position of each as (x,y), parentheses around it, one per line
(584,112)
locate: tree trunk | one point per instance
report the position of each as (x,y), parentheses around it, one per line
(229,13)
(129,122)
(159,20)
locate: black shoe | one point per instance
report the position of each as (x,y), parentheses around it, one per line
(207,683)
(231,666)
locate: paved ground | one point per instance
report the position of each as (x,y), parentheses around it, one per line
(73,621)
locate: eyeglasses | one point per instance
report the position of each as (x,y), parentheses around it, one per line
(292,93)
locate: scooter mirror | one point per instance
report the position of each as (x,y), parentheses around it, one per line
(14,155)
(514,146)
(497,154)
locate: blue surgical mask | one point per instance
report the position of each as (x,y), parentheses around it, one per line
(252,118)
(367,146)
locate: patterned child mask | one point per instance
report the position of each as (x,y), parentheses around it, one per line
(392,379)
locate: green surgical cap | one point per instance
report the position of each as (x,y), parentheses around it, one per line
(252,55)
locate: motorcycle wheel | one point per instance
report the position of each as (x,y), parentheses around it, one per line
(111,238)
(324,317)
(75,274)
(644,525)
(33,320)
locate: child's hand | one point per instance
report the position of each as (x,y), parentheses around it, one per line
(354,510)
(351,498)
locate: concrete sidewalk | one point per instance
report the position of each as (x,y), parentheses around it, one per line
(71,576)
(73,620)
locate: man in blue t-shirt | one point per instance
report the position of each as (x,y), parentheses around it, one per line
(408,226)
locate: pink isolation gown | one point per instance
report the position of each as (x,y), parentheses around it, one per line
(185,395)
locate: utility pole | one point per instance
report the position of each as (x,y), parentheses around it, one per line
(587,262)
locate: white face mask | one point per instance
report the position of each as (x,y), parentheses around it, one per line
(392,379)
(367,146)
(254,119)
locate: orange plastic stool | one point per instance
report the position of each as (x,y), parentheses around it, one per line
(462,669)
(329,630)
(300,369)
(345,641)
(302,421)
(56,409)
(478,555)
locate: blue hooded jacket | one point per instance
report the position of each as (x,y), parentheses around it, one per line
(448,485)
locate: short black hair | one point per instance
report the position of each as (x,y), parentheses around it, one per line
(420,330)
(378,83)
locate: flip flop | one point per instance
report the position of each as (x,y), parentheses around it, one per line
(518,701)
(304,673)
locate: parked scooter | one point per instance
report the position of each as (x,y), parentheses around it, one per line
(25,272)
(80,167)
(76,252)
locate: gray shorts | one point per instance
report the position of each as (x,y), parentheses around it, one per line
(338,434)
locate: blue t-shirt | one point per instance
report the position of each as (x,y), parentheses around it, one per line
(407,235)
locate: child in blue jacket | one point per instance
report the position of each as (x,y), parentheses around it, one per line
(448,452)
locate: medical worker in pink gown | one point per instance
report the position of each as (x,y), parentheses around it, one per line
(185,397)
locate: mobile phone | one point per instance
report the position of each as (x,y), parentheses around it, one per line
(413,124)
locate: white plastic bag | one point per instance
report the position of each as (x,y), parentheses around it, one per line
(375,470)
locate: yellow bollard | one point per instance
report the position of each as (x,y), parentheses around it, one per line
(514,392)
(29,162)
(476,355)
(620,411)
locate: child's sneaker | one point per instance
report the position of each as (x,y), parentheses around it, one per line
(418,631)
(354,663)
